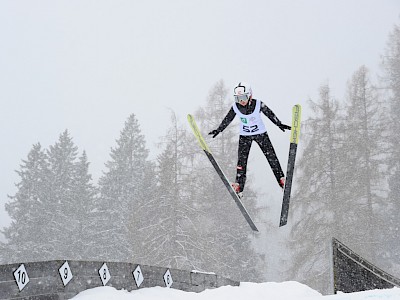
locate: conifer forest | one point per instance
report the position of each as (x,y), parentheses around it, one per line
(175,212)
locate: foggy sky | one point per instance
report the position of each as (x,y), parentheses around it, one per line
(86,66)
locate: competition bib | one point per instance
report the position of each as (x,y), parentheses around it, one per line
(251,124)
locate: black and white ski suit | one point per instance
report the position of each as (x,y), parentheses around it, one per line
(253,132)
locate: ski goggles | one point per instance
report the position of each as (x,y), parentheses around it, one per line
(242,97)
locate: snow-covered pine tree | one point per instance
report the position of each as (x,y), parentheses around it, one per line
(125,186)
(86,211)
(364,157)
(65,204)
(27,235)
(316,199)
(172,238)
(50,209)
(391,81)
(160,247)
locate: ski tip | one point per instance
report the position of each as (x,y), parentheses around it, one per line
(197,133)
(283,222)
(296,119)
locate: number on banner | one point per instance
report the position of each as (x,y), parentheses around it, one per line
(21,276)
(168,279)
(65,273)
(138,276)
(104,274)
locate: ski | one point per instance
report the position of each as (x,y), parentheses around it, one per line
(294,140)
(221,174)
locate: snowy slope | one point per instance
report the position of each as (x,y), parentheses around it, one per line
(246,291)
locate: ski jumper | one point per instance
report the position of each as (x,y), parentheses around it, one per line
(252,128)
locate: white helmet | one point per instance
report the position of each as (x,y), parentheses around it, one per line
(242,92)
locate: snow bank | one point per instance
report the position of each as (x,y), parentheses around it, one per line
(246,291)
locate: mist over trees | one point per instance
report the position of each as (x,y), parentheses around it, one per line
(391,83)
(54,195)
(172,212)
(347,175)
(175,212)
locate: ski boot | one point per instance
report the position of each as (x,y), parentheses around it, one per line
(236,188)
(282,182)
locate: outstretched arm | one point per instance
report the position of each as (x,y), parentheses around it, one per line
(270,114)
(225,122)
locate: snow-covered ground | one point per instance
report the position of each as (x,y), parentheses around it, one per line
(246,291)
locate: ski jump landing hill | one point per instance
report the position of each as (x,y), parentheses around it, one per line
(353,273)
(60,279)
(64,279)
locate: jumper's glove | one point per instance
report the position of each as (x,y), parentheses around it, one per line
(284,127)
(214,133)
